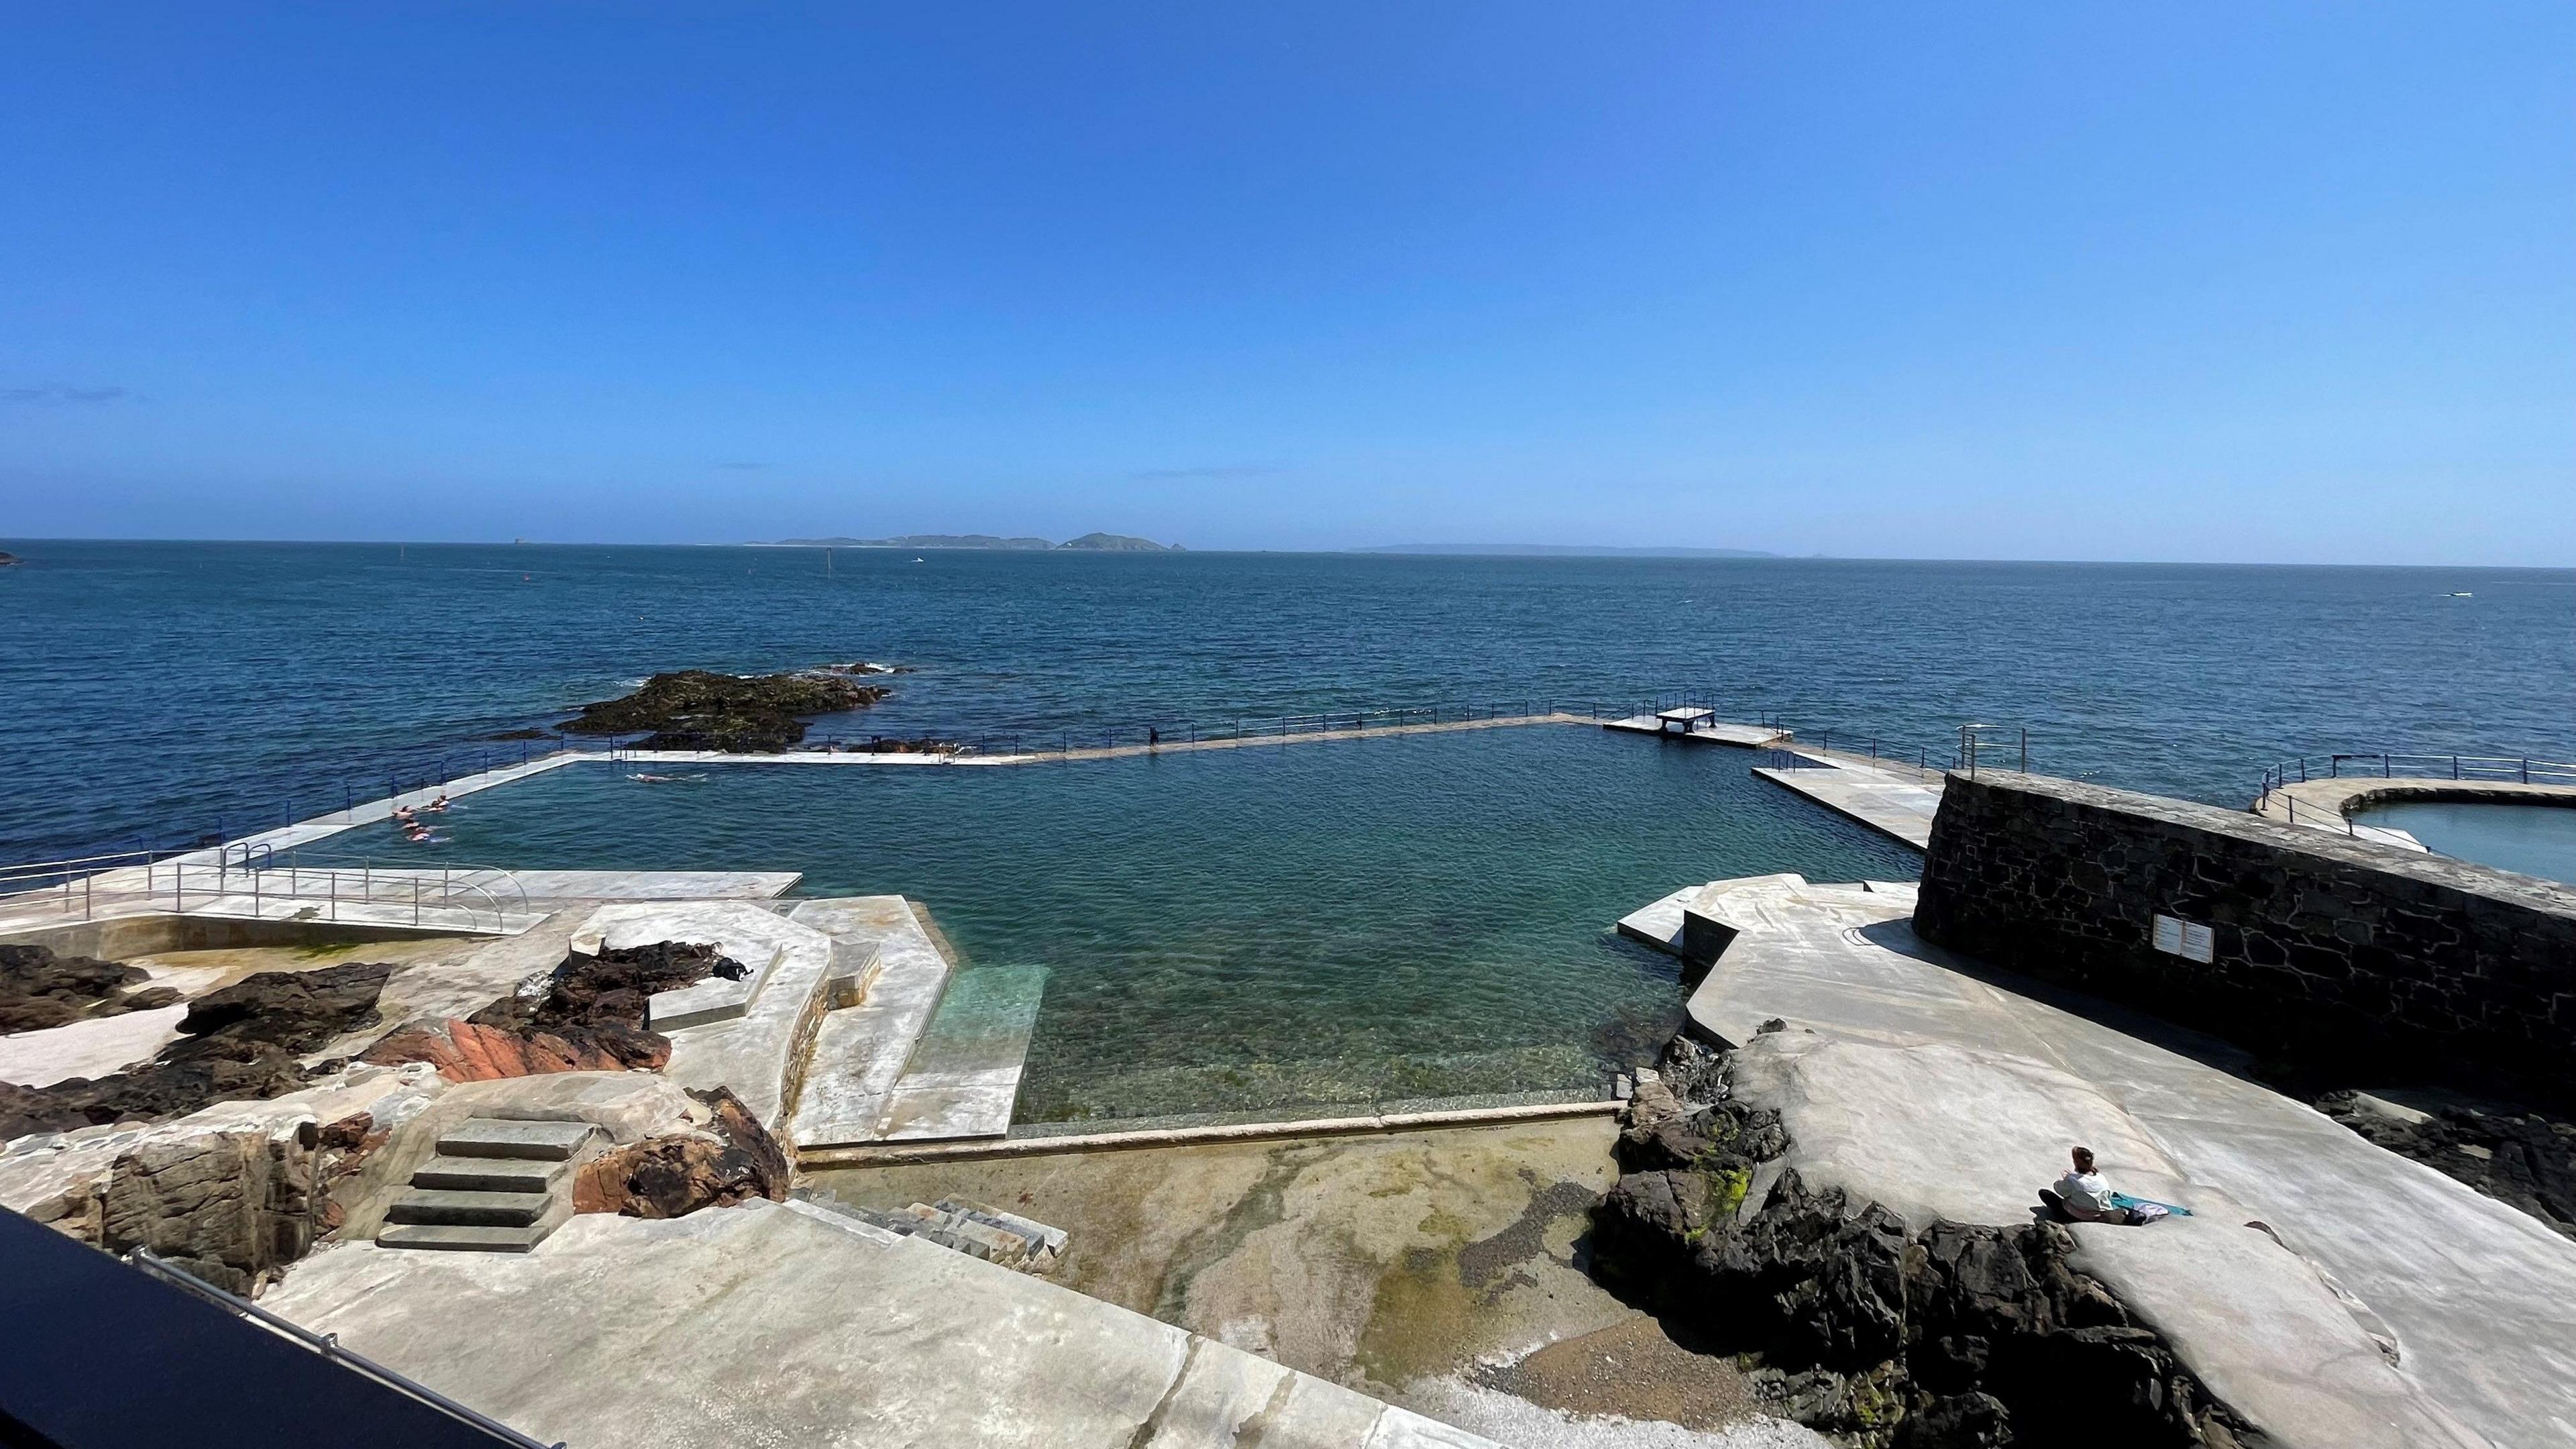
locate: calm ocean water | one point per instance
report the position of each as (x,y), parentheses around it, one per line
(156,691)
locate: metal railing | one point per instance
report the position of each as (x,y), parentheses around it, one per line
(2390,765)
(328,1346)
(1979,749)
(247,879)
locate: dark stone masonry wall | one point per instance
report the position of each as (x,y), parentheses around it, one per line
(2326,952)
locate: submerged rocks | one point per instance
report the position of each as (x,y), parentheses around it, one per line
(587,1015)
(240,1042)
(39,989)
(1860,1327)
(733,1161)
(698,709)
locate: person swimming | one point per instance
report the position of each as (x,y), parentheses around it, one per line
(439,805)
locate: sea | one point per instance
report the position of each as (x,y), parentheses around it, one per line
(1261,930)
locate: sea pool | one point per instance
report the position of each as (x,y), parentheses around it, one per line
(1261,929)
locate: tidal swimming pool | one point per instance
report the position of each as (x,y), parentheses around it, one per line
(1265,929)
(2533,839)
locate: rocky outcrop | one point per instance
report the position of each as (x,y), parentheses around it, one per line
(697,709)
(39,989)
(587,1015)
(732,1160)
(1116,543)
(1862,1328)
(234,1192)
(238,1043)
(2523,1159)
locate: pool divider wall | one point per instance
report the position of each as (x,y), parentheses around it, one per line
(2330,952)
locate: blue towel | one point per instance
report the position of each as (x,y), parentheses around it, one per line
(2123,1200)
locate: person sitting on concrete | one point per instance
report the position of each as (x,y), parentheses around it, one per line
(2084,1194)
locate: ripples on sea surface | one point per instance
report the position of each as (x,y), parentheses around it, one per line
(1268,928)
(155,691)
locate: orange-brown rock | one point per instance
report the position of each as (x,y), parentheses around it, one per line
(465,1052)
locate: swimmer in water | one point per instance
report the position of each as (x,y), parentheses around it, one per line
(439,805)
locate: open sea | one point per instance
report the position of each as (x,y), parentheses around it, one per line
(1263,929)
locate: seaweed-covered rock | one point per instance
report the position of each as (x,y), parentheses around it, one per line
(698,709)
(39,989)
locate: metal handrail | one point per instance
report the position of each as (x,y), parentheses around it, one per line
(473,891)
(328,1345)
(2494,769)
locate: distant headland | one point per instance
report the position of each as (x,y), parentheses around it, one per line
(1097,542)
(1562,550)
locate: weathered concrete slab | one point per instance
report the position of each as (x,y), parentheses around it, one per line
(94,1048)
(1943,1093)
(1891,804)
(860,1051)
(763,1324)
(963,1078)
(656,885)
(1659,924)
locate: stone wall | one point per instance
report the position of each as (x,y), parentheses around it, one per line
(2326,951)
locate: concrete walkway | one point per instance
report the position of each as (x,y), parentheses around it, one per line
(1895,801)
(787,1324)
(1944,1090)
(2330,804)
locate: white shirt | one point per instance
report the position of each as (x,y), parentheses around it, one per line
(2086,1194)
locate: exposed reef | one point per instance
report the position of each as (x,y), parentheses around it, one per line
(733,1161)
(698,709)
(1856,1326)
(39,989)
(238,1043)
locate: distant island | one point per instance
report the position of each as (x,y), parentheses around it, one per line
(1106,542)
(1563,550)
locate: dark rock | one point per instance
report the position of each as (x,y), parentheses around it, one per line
(670,1177)
(2523,1159)
(590,1018)
(1693,1071)
(1962,1421)
(697,709)
(241,1043)
(522,734)
(39,989)
(297,1010)
(1862,1328)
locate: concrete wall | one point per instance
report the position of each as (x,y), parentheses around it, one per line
(2328,951)
(120,938)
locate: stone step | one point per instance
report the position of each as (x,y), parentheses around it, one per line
(465,1208)
(491,1174)
(472,1238)
(500,1137)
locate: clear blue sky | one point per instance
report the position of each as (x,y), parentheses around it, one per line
(2225,282)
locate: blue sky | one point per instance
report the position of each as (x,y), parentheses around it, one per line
(2217,282)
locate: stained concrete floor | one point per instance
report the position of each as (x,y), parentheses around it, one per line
(1423,1268)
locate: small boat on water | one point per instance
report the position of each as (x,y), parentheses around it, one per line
(916,558)
(2462,594)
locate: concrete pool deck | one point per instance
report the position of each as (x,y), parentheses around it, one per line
(2330,804)
(1946,1089)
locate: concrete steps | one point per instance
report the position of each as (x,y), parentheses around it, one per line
(496,1186)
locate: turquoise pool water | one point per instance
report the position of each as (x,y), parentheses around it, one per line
(1258,929)
(2533,839)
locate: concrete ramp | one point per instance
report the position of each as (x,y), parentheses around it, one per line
(783,1324)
